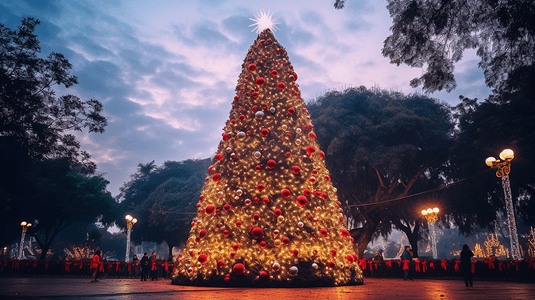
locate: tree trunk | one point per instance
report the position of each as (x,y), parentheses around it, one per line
(412,235)
(170,257)
(363,236)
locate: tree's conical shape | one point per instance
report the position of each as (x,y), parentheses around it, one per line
(268,214)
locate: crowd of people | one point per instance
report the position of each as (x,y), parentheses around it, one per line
(143,268)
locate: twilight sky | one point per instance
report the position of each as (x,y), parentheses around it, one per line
(166,70)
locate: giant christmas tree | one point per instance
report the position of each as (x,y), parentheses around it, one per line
(268,214)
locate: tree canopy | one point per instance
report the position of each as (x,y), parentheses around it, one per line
(163,200)
(433,35)
(36,131)
(381,146)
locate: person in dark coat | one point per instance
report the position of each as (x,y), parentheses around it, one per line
(145,267)
(135,267)
(406,257)
(466,265)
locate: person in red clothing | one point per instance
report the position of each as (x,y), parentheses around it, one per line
(95,264)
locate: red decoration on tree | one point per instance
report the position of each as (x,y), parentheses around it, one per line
(312,135)
(264,275)
(295,252)
(291,110)
(226,136)
(264,132)
(333,253)
(238,223)
(271,164)
(322,154)
(202,233)
(330,265)
(350,258)
(310,150)
(252,67)
(323,232)
(236,247)
(260,81)
(288,154)
(317,193)
(277,212)
(307,193)
(256,217)
(226,232)
(285,241)
(327,178)
(257,232)
(254,94)
(265,200)
(286,193)
(296,169)
(219,157)
(202,259)
(262,244)
(281,85)
(238,269)
(220,264)
(302,200)
(274,73)
(210,209)
(227,207)
(258,168)
(216,176)
(260,187)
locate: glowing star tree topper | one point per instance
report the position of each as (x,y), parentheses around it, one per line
(268,214)
(264,21)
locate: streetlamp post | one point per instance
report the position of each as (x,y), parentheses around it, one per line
(431,215)
(130,221)
(24,229)
(504,168)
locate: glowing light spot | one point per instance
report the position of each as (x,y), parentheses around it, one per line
(263,21)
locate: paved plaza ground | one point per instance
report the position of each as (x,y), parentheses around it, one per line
(82,288)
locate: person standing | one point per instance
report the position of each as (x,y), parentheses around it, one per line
(135,265)
(95,265)
(406,258)
(144,267)
(153,267)
(378,257)
(466,265)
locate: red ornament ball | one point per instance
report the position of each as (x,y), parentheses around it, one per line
(277,212)
(285,241)
(333,252)
(256,199)
(263,275)
(202,259)
(317,193)
(295,252)
(271,164)
(242,117)
(330,265)
(202,233)
(302,200)
(258,168)
(296,169)
(312,135)
(281,85)
(260,81)
(265,200)
(262,244)
(227,279)
(260,187)
(220,263)
(226,233)
(227,207)
(256,217)
(307,193)
(216,176)
(288,154)
(286,193)
(310,150)
(344,233)
(236,247)
(236,98)
(327,178)
(257,232)
(254,94)
(274,73)
(295,76)
(350,258)
(264,132)
(252,67)
(219,157)
(238,223)
(238,269)
(291,110)
(210,209)
(323,232)
(322,154)
(211,171)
